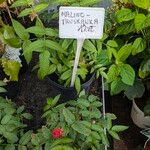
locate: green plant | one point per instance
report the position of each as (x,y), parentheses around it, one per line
(2,89)
(10,43)
(127,47)
(11,123)
(82,121)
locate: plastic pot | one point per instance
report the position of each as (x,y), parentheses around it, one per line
(69,93)
(138,117)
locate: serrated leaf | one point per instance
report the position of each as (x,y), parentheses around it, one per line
(10,147)
(124,52)
(125,14)
(89,46)
(69,116)
(20,30)
(11,137)
(127,74)
(145,4)
(117,86)
(24,140)
(80,128)
(61,141)
(54,45)
(113,73)
(125,28)
(6,119)
(140,22)
(139,46)
(61,147)
(11,68)
(43,64)
(66,75)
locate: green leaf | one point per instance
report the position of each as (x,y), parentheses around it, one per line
(69,116)
(52,68)
(30,47)
(66,43)
(10,147)
(113,73)
(24,140)
(11,137)
(117,86)
(51,32)
(112,43)
(145,4)
(78,85)
(36,30)
(43,64)
(139,46)
(88,2)
(125,14)
(104,139)
(61,141)
(119,128)
(19,3)
(124,52)
(25,12)
(9,110)
(89,46)
(62,147)
(20,109)
(80,128)
(6,119)
(2,83)
(114,135)
(125,28)
(35,140)
(141,22)
(127,74)
(27,116)
(66,75)
(20,30)
(135,91)
(21,147)
(2,90)
(54,45)
(83,102)
(40,7)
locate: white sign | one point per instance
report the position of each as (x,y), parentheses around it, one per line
(81,22)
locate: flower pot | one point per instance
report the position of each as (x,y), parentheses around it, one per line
(69,93)
(138,117)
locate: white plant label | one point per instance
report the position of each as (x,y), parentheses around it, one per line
(81,22)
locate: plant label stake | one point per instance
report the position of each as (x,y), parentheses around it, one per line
(80,23)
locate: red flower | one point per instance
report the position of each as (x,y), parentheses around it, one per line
(57,133)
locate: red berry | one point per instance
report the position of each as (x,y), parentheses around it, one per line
(57,133)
